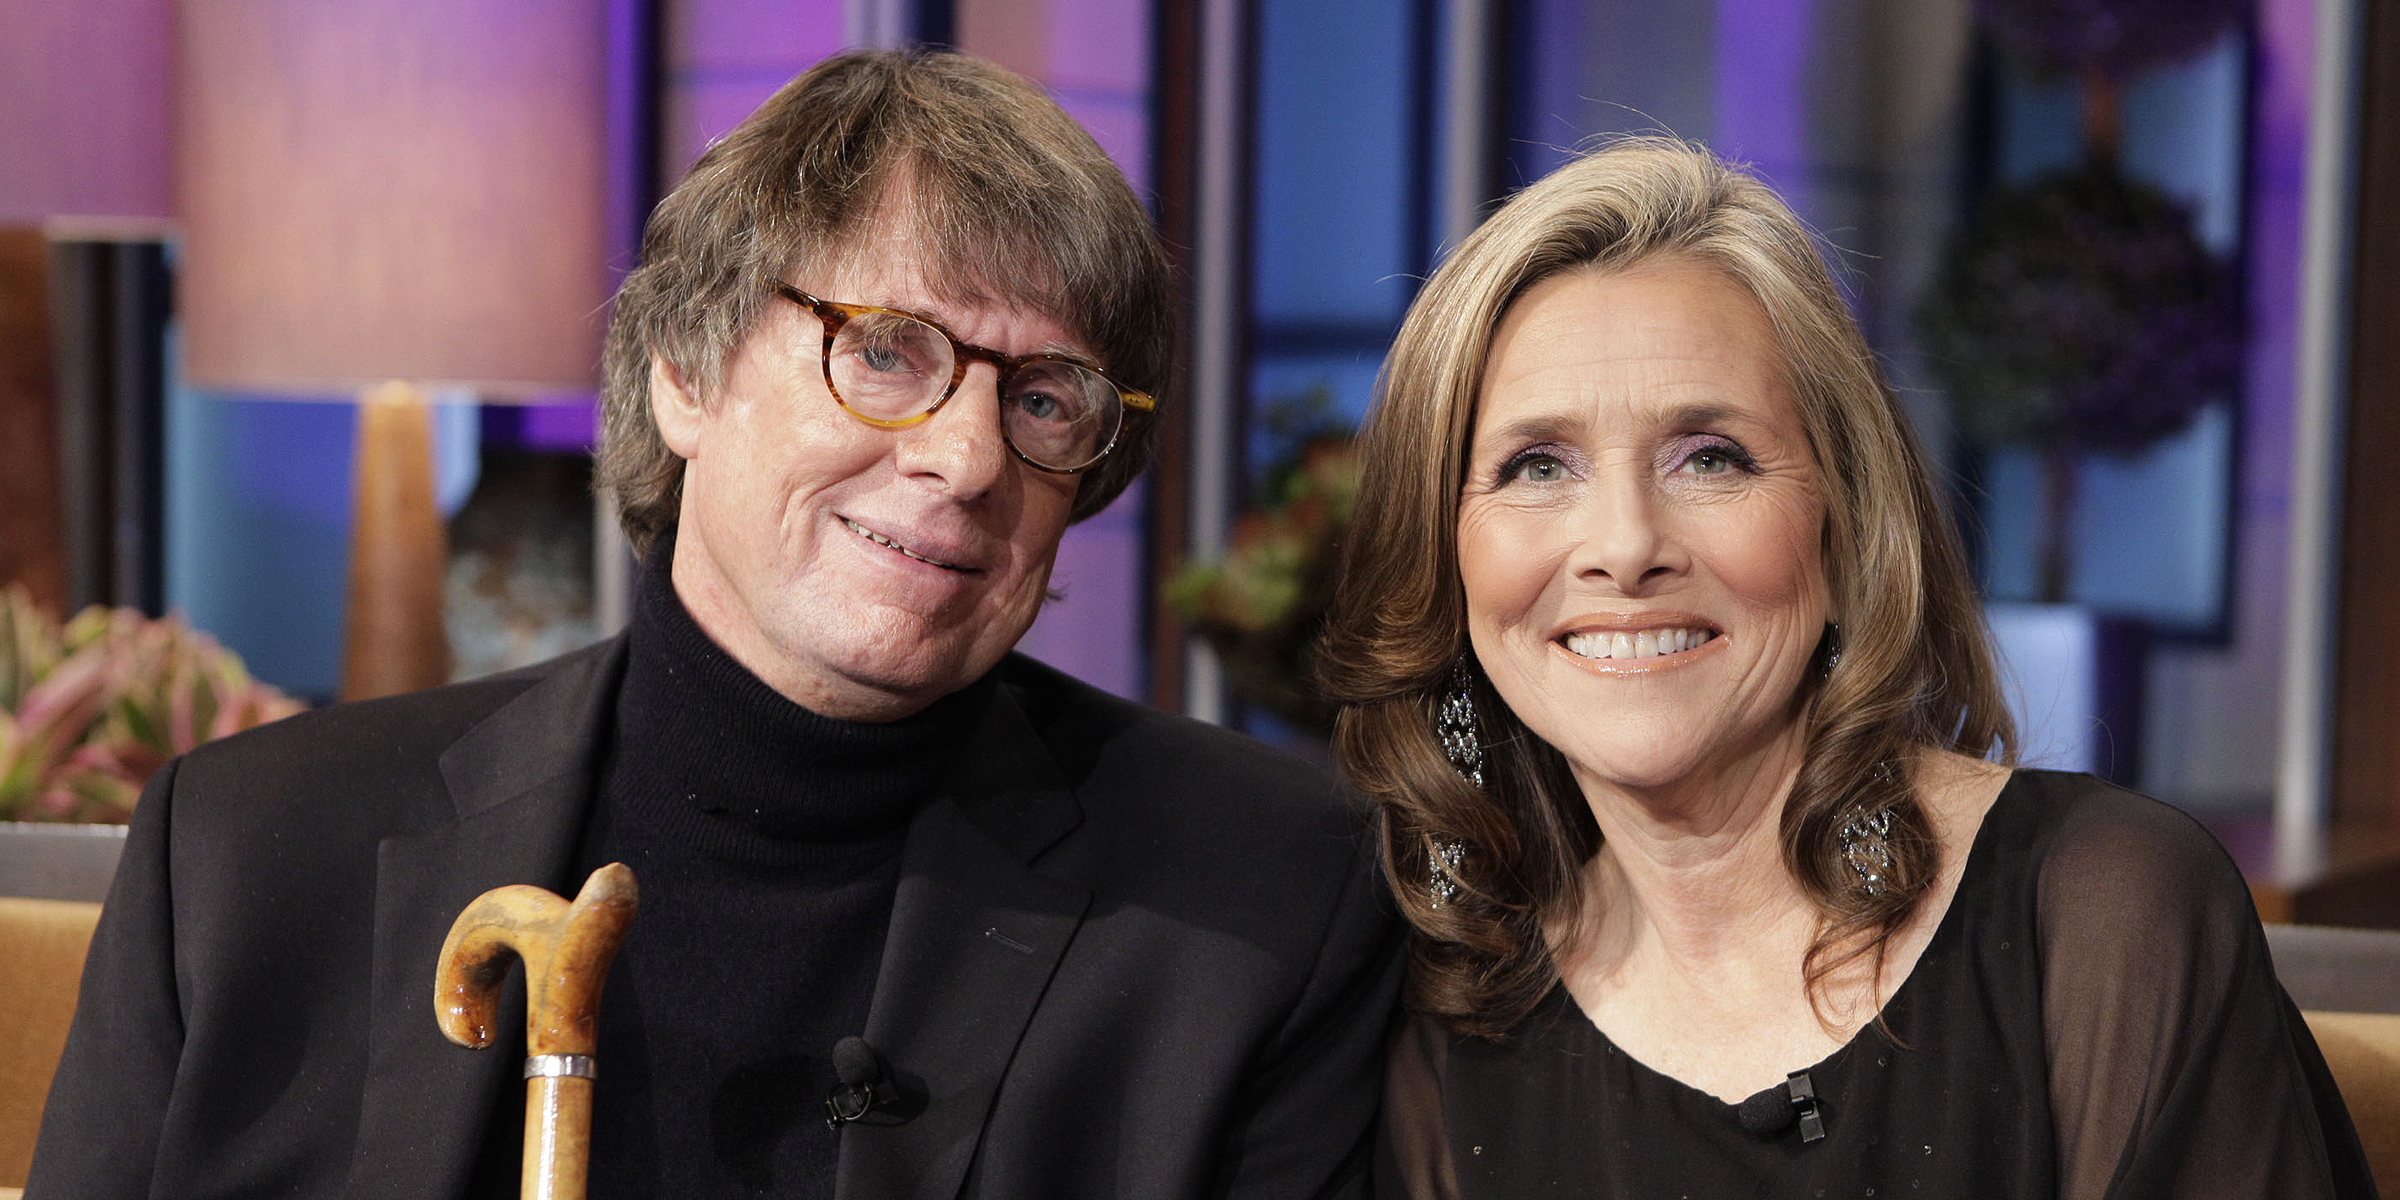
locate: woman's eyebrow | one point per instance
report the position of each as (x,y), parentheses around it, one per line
(1704,414)
(1701,416)
(1535,428)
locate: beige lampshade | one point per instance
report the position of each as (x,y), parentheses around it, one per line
(391,189)
(83,109)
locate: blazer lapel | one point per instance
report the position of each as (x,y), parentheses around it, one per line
(974,939)
(522,782)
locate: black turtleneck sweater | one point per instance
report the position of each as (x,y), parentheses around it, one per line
(765,840)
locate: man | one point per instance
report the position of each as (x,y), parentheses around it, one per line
(888,338)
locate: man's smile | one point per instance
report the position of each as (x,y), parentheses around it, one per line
(890,544)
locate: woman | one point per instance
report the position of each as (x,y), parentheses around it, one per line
(1658,654)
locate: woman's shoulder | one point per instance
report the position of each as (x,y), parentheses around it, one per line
(2072,819)
(2104,861)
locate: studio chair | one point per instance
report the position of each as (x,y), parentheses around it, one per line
(42,943)
(2347,983)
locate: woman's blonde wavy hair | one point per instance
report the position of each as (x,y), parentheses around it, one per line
(1914,669)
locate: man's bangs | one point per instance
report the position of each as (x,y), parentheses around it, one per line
(989,264)
(972,252)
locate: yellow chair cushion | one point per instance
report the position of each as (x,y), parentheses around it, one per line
(42,943)
(2363,1049)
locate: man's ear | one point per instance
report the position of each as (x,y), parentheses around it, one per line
(675,407)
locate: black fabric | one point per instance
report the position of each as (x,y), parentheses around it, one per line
(752,825)
(1129,955)
(2095,1016)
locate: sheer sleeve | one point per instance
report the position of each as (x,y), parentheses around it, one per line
(1412,1150)
(2177,1066)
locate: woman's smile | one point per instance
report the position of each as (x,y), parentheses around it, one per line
(1616,646)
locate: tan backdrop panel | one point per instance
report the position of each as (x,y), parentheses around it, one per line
(383,189)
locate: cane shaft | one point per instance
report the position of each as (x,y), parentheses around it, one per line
(558,1133)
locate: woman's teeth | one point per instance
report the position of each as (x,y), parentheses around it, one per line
(1649,643)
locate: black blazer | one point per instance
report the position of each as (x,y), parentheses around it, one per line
(1130,955)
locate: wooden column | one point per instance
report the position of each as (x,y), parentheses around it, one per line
(2366,736)
(32,545)
(1174,164)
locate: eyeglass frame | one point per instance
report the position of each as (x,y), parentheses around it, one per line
(835,314)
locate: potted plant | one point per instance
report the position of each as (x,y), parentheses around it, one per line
(2079,314)
(88,710)
(1262,605)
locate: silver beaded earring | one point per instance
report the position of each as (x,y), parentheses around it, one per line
(1833,649)
(1867,847)
(1866,841)
(1441,882)
(1455,726)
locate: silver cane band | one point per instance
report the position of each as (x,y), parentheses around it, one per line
(556,1066)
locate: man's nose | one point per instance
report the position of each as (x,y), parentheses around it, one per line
(959,449)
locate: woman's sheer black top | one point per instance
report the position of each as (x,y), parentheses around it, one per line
(2095,1016)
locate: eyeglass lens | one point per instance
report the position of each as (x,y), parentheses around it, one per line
(892,367)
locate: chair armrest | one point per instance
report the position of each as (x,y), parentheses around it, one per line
(2363,1051)
(42,944)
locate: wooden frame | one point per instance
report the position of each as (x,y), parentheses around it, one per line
(2366,733)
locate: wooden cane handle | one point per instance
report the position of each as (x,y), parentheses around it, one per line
(566,949)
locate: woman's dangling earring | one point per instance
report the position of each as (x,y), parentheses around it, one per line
(1867,847)
(1456,727)
(1441,882)
(1866,840)
(1833,649)
(1460,733)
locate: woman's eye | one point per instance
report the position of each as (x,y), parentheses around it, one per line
(1534,466)
(1716,459)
